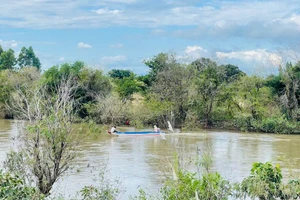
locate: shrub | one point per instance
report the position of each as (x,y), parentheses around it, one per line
(12,187)
(275,125)
(244,122)
(264,182)
(291,190)
(188,186)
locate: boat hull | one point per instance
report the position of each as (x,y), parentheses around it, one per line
(137,133)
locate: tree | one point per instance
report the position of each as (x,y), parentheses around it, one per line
(7,59)
(49,143)
(208,78)
(232,72)
(202,63)
(172,85)
(10,80)
(126,83)
(159,63)
(91,83)
(120,73)
(27,58)
(255,102)
(285,87)
(291,93)
(110,109)
(127,86)
(94,83)
(275,83)
(1,50)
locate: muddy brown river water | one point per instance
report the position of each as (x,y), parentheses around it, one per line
(143,161)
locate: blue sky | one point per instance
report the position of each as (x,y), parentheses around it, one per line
(109,34)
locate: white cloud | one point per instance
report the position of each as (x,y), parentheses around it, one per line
(193,49)
(61,58)
(8,44)
(84,46)
(113,59)
(213,16)
(117,46)
(192,52)
(106,11)
(258,56)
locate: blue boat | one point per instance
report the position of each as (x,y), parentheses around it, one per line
(136,133)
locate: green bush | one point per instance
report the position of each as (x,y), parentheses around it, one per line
(12,187)
(264,182)
(188,186)
(268,125)
(244,122)
(183,188)
(275,125)
(291,190)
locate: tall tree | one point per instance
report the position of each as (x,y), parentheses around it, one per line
(1,49)
(208,78)
(127,86)
(232,72)
(92,83)
(48,144)
(172,85)
(291,93)
(253,96)
(120,73)
(126,82)
(7,59)
(27,57)
(159,63)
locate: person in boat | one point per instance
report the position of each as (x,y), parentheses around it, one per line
(113,129)
(156,129)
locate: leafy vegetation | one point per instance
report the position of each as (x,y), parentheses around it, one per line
(13,187)
(264,183)
(199,94)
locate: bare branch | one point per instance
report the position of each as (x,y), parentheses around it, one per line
(49,142)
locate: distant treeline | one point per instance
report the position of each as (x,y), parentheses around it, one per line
(200,94)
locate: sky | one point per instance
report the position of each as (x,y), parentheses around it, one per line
(109,34)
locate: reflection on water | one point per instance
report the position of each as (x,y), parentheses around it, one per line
(144,161)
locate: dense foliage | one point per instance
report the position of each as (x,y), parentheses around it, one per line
(26,58)
(13,187)
(189,95)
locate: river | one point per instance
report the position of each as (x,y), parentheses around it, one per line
(143,161)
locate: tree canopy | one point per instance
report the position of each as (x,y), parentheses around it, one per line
(27,58)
